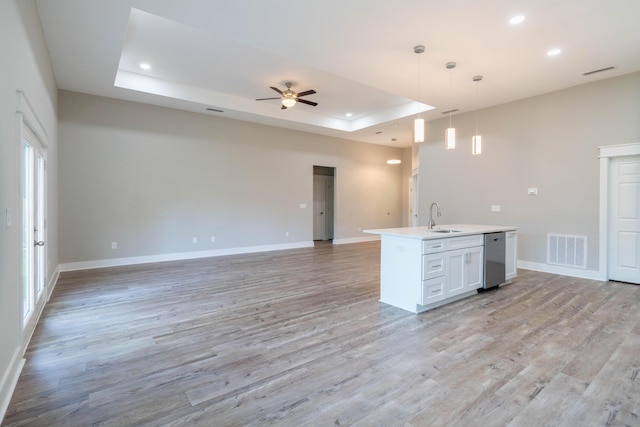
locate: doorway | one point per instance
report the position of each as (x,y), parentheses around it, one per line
(33,225)
(624,219)
(619,249)
(323,202)
(413,199)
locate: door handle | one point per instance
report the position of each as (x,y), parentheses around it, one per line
(38,243)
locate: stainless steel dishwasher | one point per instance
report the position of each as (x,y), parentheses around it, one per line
(494,256)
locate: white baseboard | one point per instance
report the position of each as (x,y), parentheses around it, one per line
(52,282)
(356,240)
(179,256)
(9,381)
(563,271)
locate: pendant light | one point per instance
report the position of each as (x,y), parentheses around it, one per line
(418,124)
(450,135)
(476,141)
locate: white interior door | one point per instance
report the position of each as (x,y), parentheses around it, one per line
(624,224)
(319,208)
(413,197)
(322,207)
(33,225)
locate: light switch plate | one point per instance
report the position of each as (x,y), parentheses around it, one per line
(495,208)
(532,191)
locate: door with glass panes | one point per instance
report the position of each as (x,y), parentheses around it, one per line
(33,236)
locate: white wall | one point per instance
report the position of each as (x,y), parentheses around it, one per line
(549,142)
(25,66)
(151,179)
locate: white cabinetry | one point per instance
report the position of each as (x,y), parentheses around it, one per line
(511,255)
(417,275)
(465,270)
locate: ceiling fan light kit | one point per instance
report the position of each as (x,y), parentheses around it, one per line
(289,98)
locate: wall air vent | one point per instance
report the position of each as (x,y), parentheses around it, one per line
(450,111)
(600,70)
(568,251)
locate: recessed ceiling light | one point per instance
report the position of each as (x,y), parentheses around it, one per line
(516,19)
(348,114)
(554,52)
(145,66)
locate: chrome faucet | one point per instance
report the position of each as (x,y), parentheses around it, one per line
(432,223)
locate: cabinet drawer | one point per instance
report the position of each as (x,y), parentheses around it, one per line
(433,265)
(432,246)
(465,241)
(432,290)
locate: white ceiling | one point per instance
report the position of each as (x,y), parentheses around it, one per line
(357,55)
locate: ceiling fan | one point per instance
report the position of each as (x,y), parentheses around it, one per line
(289,97)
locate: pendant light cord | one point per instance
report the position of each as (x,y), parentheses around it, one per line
(450,94)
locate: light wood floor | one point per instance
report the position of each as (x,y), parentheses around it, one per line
(298,338)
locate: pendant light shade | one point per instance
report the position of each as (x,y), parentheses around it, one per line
(450,139)
(418,124)
(476,144)
(476,140)
(418,130)
(450,134)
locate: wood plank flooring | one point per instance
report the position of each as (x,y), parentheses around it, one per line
(298,338)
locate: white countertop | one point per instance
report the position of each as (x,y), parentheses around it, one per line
(423,233)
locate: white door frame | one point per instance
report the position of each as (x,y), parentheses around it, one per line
(28,121)
(606,154)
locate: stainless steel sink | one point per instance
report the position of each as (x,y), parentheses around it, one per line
(445,231)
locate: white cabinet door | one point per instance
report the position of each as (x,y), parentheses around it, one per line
(474,265)
(456,261)
(511,255)
(464,270)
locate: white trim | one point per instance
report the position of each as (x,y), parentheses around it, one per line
(52,283)
(605,155)
(28,115)
(620,150)
(178,256)
(9,381)
(355,240)
(555,269)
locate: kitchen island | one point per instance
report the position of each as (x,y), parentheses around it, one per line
(422,268)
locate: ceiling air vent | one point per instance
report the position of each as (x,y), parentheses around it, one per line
(215,110)
(588,73)
(455,110)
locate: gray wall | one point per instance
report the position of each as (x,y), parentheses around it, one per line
(152,178)
(25,66)
(549,142)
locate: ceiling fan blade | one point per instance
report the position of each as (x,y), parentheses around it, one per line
(306,92)
(277,90)
(304,101)
(264,99)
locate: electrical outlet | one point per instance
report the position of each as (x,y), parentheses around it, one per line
(286,234)
(195,240)
(114,245)
(495,208)
(213,239)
